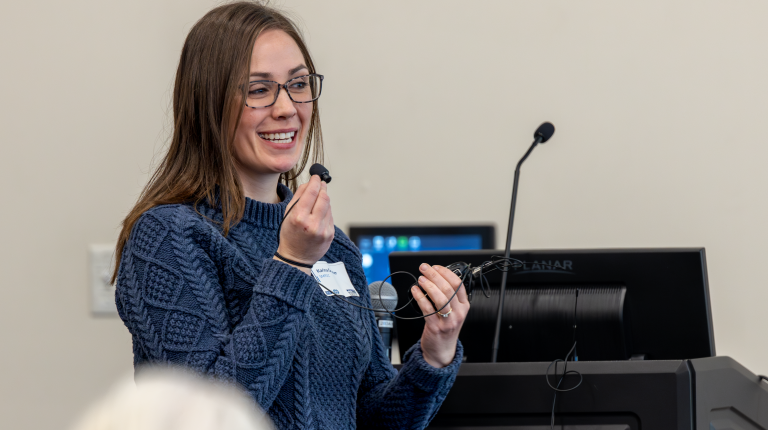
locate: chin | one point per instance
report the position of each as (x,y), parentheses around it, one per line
(281,163)
(282,167)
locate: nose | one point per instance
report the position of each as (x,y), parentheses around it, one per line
(284,106)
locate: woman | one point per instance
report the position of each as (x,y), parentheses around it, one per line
(204,280)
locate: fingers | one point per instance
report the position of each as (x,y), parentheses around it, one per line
(424,304)
(438,342)
(330,227)
(439,281)
(455,283)
(296,196)
(439,301)
(322,203)
(313,206)
(305,196)
(308,230)
(320,218)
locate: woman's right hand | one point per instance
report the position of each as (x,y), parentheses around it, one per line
(308,230)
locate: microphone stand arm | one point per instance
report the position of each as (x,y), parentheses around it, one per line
(505,271)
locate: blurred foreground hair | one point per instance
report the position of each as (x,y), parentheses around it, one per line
(172,399)
(208,100)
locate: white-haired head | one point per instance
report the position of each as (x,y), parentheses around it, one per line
(171,399)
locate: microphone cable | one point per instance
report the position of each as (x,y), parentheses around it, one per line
(466,272)
(391,312)
(557,388)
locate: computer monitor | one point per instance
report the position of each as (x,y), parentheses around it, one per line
(376,242)
(663,312)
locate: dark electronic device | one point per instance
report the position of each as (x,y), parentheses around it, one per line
(713,393)
(650,304)
(319,170)
(660,299)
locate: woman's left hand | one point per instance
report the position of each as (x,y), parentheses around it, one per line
(438,342)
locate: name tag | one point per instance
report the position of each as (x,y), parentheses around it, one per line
(386,324)
(334,277)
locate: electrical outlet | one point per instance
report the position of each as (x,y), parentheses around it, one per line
(102,291)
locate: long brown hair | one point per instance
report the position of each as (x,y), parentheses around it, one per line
(208,97)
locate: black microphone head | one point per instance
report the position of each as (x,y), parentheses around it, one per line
(322,172)
(383,296)
(545,131)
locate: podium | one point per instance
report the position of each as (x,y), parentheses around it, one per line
(713,393)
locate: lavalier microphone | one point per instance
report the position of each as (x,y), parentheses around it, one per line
(319,170)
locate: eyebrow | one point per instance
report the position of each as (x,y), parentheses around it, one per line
(269,75)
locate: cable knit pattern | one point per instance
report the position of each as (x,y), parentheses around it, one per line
(222,306)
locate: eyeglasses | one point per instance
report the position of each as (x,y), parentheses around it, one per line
(302,89)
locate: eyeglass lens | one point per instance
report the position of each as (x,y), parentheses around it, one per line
(301,90)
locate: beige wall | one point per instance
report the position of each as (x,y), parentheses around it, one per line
(660,109)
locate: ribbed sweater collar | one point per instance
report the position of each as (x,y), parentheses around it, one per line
(267,215)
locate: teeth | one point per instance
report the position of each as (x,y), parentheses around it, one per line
(278,137)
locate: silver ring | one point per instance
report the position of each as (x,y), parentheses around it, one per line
(445,315)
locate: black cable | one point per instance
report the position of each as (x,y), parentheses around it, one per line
(565,371)
(392,312)
(280,227)
(565,368)
(557,388)
(467,274)
(575,326)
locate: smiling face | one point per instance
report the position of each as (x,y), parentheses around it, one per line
(270,140)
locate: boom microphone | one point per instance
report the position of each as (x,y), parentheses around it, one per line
(383,298)
(545,131)
(542,134)
(322,172)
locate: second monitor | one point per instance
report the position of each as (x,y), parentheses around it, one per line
(377,242)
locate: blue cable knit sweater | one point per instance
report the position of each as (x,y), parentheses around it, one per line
(223,306)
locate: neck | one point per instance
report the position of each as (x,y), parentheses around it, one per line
(260,187)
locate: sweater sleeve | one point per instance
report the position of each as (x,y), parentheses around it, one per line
(408,399)
(388,399)
(171,296)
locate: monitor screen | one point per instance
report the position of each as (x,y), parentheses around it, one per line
(648,304)
(377,242)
